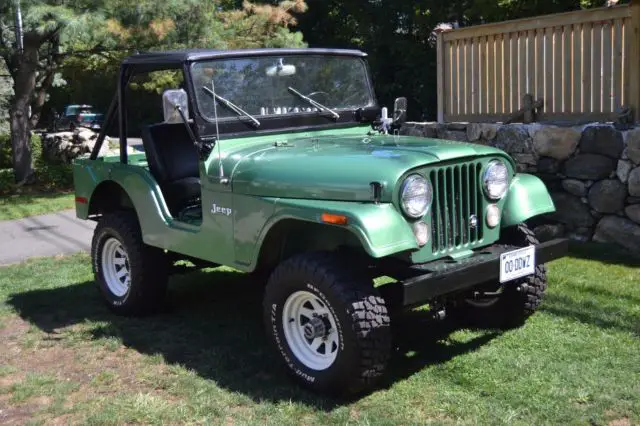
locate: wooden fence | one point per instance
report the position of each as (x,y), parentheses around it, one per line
(583,65)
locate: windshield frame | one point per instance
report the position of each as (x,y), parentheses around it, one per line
(287,120)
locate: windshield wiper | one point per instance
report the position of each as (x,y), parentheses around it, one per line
(314,103)
(233,107)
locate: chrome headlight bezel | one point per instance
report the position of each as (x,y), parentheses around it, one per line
(421,188)
(495,193)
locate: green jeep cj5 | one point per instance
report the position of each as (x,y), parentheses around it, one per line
(280,162)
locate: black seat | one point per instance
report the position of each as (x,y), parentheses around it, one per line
(173,161)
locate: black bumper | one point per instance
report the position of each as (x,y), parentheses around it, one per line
(449,276)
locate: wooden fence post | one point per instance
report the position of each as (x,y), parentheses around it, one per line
(634,60)
(440,80)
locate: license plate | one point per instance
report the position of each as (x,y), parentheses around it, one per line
(517,264)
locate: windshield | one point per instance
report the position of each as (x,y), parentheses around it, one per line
(261,86)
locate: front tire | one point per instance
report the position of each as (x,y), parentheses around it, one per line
(329,326)
(131,275)
(517,301)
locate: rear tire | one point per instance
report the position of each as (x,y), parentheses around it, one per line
(131,275)
(518,300)
(329,325)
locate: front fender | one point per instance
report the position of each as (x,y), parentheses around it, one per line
(527,197)
(381,230)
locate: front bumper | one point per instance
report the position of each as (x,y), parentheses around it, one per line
(421,284)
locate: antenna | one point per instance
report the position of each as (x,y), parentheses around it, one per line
(223,179)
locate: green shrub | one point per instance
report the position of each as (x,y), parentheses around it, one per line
(49,174)
(6,160)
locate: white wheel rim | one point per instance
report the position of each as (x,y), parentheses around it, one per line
(310,330)
(115,267)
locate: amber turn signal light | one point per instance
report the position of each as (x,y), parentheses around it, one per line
(334,219)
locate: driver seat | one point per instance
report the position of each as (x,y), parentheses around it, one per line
(173,161)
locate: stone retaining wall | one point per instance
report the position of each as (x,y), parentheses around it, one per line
(592,172)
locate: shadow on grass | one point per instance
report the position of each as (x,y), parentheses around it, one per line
(604,253)
(213,326)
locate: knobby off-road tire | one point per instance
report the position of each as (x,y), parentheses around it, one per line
(131,275)
(519,299)
(351,319)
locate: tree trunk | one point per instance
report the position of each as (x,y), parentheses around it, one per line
(24,87)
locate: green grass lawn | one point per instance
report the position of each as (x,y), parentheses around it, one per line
(24,205)
(65,358)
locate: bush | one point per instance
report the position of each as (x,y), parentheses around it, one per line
(49,176)
(6,160)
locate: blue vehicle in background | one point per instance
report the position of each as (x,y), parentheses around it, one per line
(75,116)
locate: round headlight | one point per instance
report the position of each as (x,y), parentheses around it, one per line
(416,196)
(496,180)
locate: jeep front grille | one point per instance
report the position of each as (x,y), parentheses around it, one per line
(457,199)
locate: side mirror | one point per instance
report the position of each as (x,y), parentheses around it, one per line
(400,110)
(172,101)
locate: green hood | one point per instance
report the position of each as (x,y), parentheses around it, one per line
(335,166)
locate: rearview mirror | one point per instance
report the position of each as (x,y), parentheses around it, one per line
(172,100)
(281,70)
(400,110)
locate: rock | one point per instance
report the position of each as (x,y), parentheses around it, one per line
(588,183)
(633,200)
(589,166)
(608,196)
(514,139)
(633,146)
(454,135)
(474,132)
(86,135)
(529,159)
(556,142)
(581,235)
(549,232)
(597,215)
(634,182)
(548,165)
(633,212)
(602,139)
(574,187)
(457,126)
(571,211)
(427,130)
(624,168)
(490,131)
(621,231)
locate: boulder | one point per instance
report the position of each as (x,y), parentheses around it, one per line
(589,166)
(474,132)
(608,196)
(514,139)
(634,182)
(428,130)
(548,165)
(621,231)
(489,131)
(575,187)
(633,212)
(571,211)
(549,232)
(624,168)
(85,135)
(602,139)
(633,200)
(454,135)
(556,142)
(633,146)
(581,235)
